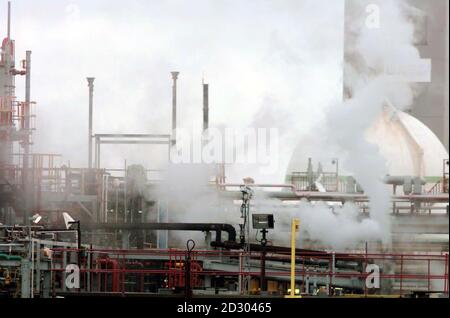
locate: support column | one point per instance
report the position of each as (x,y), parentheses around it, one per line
(46,284)
(25,279)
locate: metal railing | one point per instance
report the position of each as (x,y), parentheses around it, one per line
(155,271)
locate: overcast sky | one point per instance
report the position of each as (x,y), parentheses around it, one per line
(269,64)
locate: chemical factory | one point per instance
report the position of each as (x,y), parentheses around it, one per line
(338,224)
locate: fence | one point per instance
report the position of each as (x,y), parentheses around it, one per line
(157,271)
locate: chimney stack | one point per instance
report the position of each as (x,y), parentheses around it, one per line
(91,100)
(174,105)
(8,27)
(205,106)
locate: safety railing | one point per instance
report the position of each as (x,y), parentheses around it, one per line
(164,271)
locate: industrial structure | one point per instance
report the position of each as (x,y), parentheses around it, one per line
(91,231)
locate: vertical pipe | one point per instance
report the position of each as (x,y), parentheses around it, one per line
(365,267)
(333,271)
(401,275)
(294,229)
(91,99)
(27,90)
(96,153)
(32,270)
(98,143)
(88,268)
(205,106)
(125,205)
(9,20)
(117,204)
(241,276)
(174,106)
(263,281)
(26,145)
(303,288)
(446,276)
(337,175)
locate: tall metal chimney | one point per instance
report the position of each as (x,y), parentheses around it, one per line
(174,105)
(26,145)
(9,21)
(205,106)
(91,100)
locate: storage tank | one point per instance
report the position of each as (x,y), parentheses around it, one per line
(409,147)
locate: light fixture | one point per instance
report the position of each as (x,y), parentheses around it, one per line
(36,218)
(263,221)
(67,220)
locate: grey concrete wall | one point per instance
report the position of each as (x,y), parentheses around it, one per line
(432,105)
(431,19)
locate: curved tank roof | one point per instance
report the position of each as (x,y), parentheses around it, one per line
(409,147)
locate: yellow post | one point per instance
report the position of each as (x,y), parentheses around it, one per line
(294,228)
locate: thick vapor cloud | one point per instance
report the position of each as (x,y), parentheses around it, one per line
(259,57)
(268,63)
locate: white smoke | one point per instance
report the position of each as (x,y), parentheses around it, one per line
(291,66)
(370,52)
(191,199)
(375,49)
(379,41)
(346,131)
(320,227)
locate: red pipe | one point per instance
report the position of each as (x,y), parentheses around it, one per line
(115,271)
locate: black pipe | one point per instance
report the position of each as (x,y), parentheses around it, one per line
(203,227)
(190,245)
(263,260)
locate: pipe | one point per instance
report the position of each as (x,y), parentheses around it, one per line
(91,100)
(190,245)
(203,227)
(263,281)
(410,184)
(174,106)
(234,185)
(205,106)
(303,256)
(338,196)
(294,194)
(26,145)
(298,251)
(9,21)
(114,271)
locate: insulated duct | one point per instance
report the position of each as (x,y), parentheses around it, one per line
(202,227)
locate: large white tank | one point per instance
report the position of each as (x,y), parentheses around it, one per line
(409,147)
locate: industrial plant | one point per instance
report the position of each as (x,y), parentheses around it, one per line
(361,208)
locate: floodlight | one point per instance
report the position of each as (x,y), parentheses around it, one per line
(263,221)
